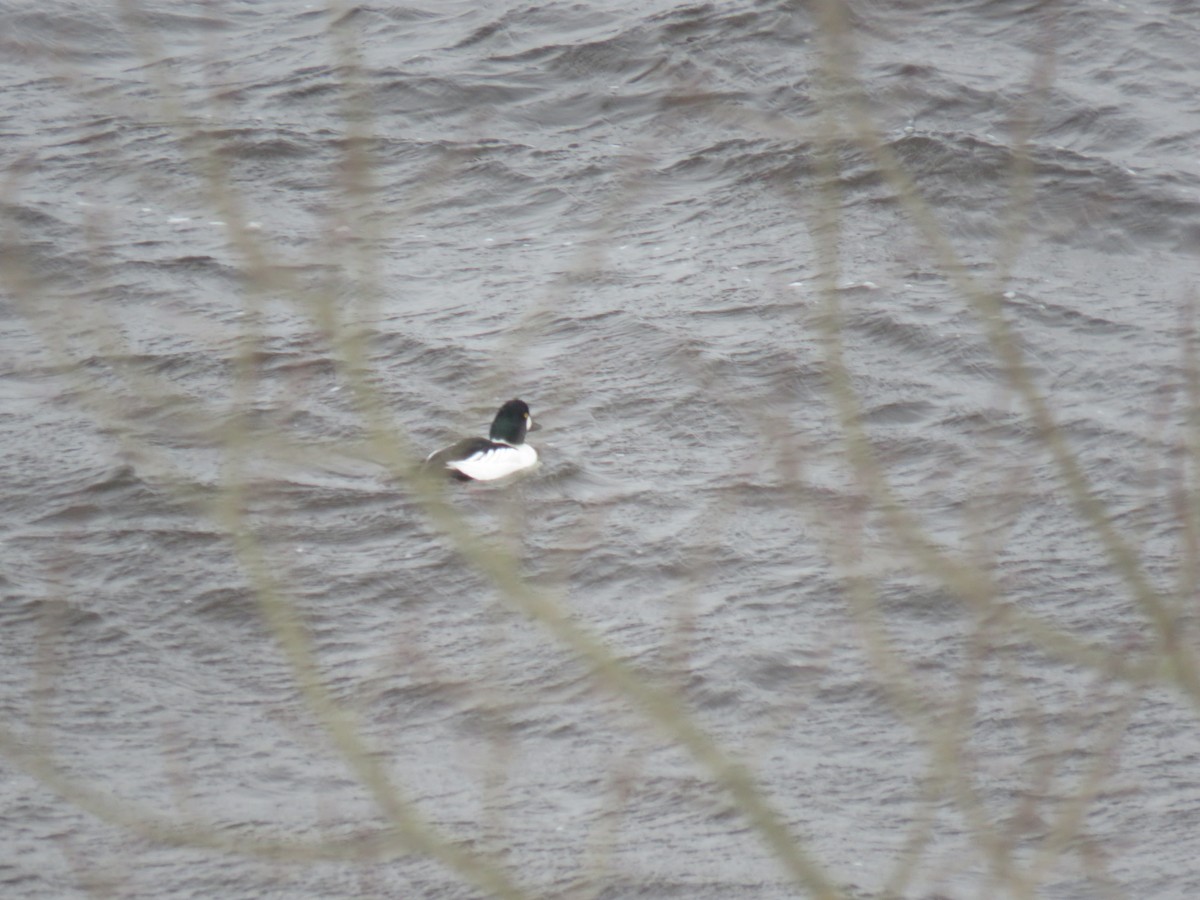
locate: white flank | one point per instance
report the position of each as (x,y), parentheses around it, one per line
(493,464)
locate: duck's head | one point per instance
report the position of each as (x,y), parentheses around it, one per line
(511,423)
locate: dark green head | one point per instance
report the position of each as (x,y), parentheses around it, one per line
(511,423)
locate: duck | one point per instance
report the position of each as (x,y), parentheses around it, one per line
(502,453)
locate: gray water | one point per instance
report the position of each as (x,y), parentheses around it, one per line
(608,210)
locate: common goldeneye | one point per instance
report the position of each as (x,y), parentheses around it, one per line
(501,453)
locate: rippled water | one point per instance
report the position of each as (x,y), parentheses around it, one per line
(608,210)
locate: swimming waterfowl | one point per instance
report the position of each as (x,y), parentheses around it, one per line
(501,453)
